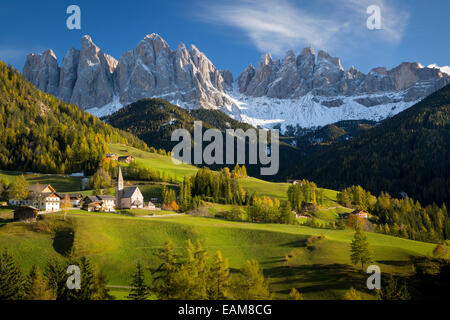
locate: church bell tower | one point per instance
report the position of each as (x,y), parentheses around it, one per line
(119,188)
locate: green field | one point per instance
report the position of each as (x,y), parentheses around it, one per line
(61,183)
(116,242)
(154,161)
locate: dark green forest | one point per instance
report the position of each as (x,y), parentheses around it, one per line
(409,153)
(40,133)
(154,120)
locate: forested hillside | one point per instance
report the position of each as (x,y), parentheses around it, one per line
(40,133)
(408,153)
(154,120)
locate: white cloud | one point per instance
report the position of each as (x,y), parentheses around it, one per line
(11,54)
(277,26)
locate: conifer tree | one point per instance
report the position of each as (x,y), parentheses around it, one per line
(11,278)
(251,283)
(286,215)
(165,279)
(392,290)
(101,292)
(352,294)
(360,251)
(295,295)
(37,287)
(219,278)
(139,289)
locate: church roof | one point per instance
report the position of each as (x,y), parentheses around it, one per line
(128,192)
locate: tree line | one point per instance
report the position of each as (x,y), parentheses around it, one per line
(193,275)
(50,283)
(405,217)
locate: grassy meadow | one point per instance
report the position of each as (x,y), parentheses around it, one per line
(116,242)
(291,256)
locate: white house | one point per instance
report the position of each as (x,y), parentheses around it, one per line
(41,197)
(108,203)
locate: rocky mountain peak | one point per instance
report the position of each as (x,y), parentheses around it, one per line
(43,71)
(93,79)
(265,60)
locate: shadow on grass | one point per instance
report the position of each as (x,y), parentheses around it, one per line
(317,278)
(395,263)
(63,241)
(4,222)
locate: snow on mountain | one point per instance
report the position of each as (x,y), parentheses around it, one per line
(445,69)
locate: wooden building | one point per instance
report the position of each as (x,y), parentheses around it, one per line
(27,213)
(126,159)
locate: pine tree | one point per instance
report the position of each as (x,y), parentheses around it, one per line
(286,215)
(139,290)
(295,295)
(101,292)
(88,280)
(219,278)
(165,280)
(252,285)
(56,275)
(37,287)
(360,251)
(392,290)
(11,278)
(352,294)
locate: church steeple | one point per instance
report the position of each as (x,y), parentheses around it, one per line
(120,180)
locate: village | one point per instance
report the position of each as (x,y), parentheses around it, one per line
(44,199)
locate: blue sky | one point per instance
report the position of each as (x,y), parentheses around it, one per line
(234,33)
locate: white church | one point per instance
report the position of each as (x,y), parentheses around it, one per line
(128,198)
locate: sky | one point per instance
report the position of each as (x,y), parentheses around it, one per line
(234,34)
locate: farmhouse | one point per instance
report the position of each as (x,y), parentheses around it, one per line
(92,203)
(128,198)
(361,213)
(126,159)
(44,198)
(112,156)
(74,198)
(104,203)
(108,203)
(27,213)
(151,206)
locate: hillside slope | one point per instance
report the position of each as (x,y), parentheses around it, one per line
(116,242)
(43,134)
(154,120)
(407,153)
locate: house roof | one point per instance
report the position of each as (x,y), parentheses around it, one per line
(26,208)
(75,195)
(38,188)
(48,194)
(91,198)
(360,212)
(126,157)
(106,197)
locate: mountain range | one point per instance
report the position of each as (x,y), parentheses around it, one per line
(307,89)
